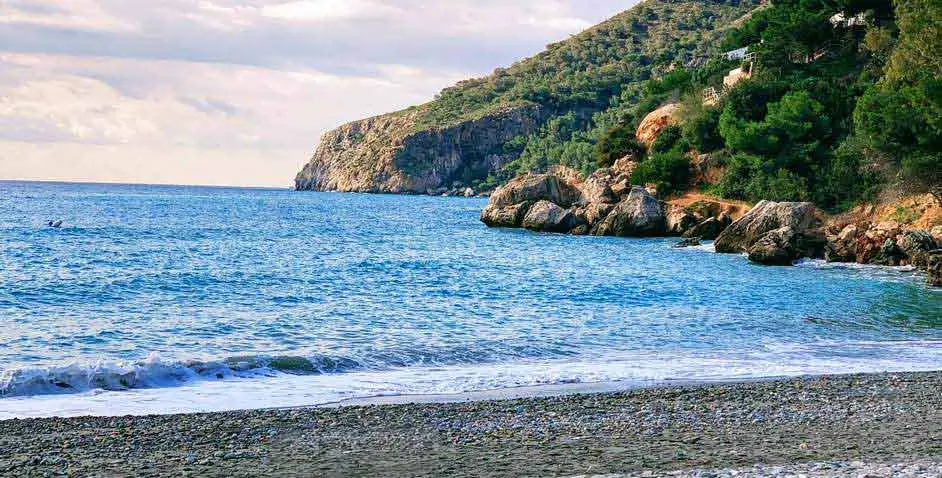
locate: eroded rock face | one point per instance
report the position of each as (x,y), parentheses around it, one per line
(389,154)
(549,217)
(638,215)
(766,216)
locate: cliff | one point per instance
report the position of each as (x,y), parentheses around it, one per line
(386,154)
(470,132)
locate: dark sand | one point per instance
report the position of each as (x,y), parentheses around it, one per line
(894,418)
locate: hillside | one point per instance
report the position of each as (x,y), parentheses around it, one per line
(482,131)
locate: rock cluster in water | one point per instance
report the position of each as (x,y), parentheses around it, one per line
(604,204)
(771,233)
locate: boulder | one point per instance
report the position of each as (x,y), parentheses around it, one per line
(598,188)
(638,215)
(843,246)
(917,245)
(592,213)
(766,216)
(655,122)
(935,268)
(776,248)
(549,217)
(537,187)
(680,220)
(507,216)
(711,228)
(625,167)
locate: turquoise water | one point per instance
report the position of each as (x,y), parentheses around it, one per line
(187,298)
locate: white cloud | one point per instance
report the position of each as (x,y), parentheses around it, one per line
(326,10)
(73,14)
(126,90)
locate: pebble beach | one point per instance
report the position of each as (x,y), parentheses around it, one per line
(864,425)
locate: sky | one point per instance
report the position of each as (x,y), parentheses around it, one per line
(237,92)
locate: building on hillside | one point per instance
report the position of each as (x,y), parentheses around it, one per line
(737,54)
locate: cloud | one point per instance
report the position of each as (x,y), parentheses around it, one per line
(73,15)
(86,80)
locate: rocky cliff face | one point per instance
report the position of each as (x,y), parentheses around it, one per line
(389,154)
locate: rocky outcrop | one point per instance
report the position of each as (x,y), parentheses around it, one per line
(655,122)
(603,204)
(393,154)
(883,243)
(766,216)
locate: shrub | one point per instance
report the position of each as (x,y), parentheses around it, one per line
(670,171)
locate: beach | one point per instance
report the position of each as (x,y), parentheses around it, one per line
(819,426)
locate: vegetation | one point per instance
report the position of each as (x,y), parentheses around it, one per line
(834,112)
(837,108)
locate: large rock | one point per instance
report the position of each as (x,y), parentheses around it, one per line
(766,216)
(598,188)
(917,245)
(711,228)
(776,248)
(638,215)
(549,217)
(655,122)
(935,268)
(537,187)
(680,220)
(507,216)
(843,246)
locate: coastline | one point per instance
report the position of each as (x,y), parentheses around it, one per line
(885,419)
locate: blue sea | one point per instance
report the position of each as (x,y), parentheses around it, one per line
(162,299)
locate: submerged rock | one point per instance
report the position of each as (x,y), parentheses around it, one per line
(688,242)
(639,215)
(766,216)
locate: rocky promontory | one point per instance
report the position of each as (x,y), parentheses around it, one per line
(393,154)
(604,204)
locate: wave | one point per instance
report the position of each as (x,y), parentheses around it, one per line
(155,372)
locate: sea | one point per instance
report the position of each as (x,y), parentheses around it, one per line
(173,299)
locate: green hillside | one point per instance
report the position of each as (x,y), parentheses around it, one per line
(838,108)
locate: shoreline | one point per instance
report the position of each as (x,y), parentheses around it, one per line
(891,419)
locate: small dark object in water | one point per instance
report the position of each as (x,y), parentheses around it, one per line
(689,242)
(55,224)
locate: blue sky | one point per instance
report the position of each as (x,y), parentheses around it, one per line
(236,92)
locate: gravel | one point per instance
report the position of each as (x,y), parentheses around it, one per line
(870,425)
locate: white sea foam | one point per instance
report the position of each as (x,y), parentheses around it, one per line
(274,389)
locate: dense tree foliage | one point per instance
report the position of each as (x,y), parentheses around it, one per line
(845,97)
